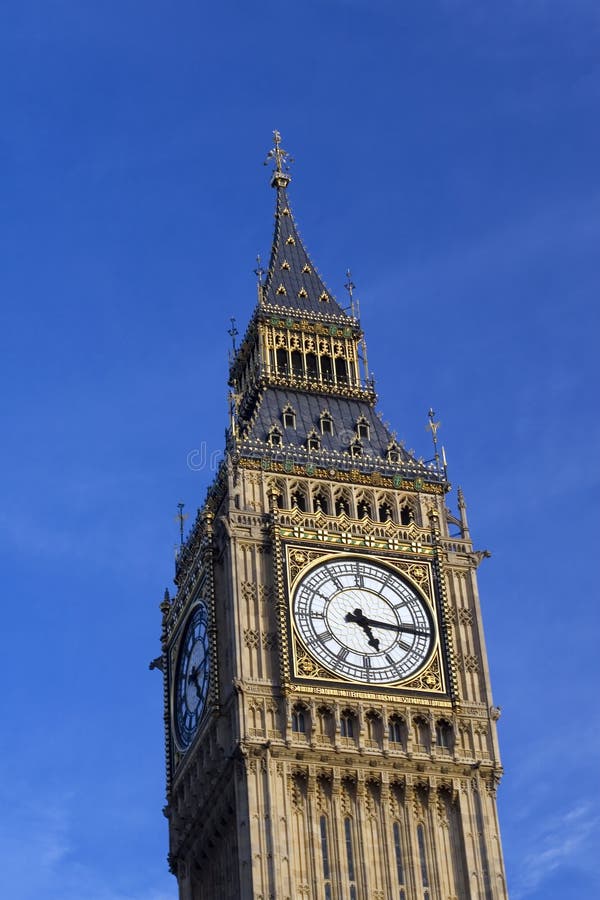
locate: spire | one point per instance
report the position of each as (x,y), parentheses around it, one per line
(292,280)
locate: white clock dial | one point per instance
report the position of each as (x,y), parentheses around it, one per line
(363,621)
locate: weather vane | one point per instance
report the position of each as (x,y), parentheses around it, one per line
(181,517)
(280,157)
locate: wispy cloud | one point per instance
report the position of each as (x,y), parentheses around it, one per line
(40,856)
(567,839)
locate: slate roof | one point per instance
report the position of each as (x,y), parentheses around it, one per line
(345,413)
(292,280)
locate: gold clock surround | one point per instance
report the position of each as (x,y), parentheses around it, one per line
(304,673)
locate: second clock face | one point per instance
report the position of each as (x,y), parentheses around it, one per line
(363,621)
(192,676)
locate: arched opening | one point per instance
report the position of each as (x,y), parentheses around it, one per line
(299,719)
(326,368)
(397,732)
(297,363)
(348,724)
(311,365)
(341,372)
(385,511)
(282,360)
(364,509)
(444,734)
(298,498)
(321,503)
(421,734)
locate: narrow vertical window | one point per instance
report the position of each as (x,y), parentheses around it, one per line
(349,849)
(398,849)
(423,861)
(325,855)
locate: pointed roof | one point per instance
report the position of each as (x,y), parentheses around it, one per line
(292,280)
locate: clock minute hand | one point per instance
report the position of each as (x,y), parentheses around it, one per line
(410,629)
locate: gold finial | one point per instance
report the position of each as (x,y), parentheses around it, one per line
(282,160)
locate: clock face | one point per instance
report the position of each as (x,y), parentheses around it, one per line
(192,676)
(362,621)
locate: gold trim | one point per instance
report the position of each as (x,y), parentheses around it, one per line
(299,560)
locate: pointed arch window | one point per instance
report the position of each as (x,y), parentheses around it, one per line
(321,503)
(363,429)
(393,452)
(299,714)
(275,436)
(406,515)
(443,734)
(356,448)
(312,369)
(385,511)
(326,422)
(364,510)
(421,734)
(282,360)
(348,724)
(397,730)
(313,441)
(326,368)
(341,370)
(289,417)
(325,723)
(342,505)
(298,498)
(374,725)
(297,368)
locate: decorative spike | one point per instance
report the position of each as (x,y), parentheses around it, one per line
(433,427)
(462,509)
(181,517)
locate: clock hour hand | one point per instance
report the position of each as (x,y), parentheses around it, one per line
(364,623)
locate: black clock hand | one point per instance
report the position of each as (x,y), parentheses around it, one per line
(193,677)
(409,629)
(363,622)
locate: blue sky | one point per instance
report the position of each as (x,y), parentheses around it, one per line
(447,152)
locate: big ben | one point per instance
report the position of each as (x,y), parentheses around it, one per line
(330,729)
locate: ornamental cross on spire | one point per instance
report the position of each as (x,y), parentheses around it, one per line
(282,160)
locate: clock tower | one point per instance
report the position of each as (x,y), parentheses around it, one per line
(330,729)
